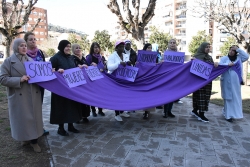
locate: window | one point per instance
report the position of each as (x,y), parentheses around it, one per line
(30,19)
(35,32)
(41,33)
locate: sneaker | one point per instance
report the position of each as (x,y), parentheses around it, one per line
(180,102)
(62,132)
(145,116)
(73,129)
(203,118)
(195,113)
(230,120)
(124,114)
(25,143)
(118,118)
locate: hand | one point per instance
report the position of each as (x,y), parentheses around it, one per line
(216,64)
(84,65)
(123,64)
(235,48)
(193,58)
(93,64)
(129,63)
(60,70)
(53,69)
(25,78)
(230,64)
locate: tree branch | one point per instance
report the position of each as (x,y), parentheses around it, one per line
(147,16)
(128,12)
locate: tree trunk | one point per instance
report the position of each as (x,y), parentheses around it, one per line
(140,38)
(7,48)
(245,72)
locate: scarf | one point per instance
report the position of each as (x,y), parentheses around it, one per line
(200,54)
(232,58)
(32,53)
(98,56)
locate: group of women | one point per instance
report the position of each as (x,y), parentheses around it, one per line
(25,100)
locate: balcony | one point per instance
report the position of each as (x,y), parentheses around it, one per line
(181,17)
(181,7)
(181,34)
(179,26)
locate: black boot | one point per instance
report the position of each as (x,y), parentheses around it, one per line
(71,128)
(61,130)
(94,114)
(165,115)
(101,113)
(170,114)
(145,115)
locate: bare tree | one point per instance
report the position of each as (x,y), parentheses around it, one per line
(232,16)
(132,24)
(14,16)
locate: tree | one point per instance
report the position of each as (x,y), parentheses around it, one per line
(232,17)
(81,40)
(160,38)
(14,16)
(132,24)
(103,38)
(227,44)
(51,52)
(198,40)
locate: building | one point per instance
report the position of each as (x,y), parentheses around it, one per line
(173,17)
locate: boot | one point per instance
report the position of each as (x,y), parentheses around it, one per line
(202,117)
(170,114)
(145,115)
(165,115)
(94,114)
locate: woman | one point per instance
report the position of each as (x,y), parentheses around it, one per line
(147,47)
(37,55)
(81,61)
(230,84)
(96,58)
(64,110)
(201,97)
(114,60)
(24,99)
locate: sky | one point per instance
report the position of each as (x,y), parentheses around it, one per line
(83,15)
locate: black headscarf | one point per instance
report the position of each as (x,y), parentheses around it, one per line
(62,45)
(201,54)
(146,46)
(233,58)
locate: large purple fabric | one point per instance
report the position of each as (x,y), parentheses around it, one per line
(154,86)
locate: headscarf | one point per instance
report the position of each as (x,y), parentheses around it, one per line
(62,45)
(16,43)
(146,46)
(200,54)
(233,58)
(155,47)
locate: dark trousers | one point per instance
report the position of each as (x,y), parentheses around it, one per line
(168,107)
(85,110)
(117,112)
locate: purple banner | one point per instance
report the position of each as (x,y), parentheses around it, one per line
(237,69)
(154,86)
(201,68)
(147,57)
(39,71)
(74,77)
(93,73)
(174,57)
(127,73)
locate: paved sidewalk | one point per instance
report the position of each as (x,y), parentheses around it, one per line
(182,141)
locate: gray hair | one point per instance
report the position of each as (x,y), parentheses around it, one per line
(16,43)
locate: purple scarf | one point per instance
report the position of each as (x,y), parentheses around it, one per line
(98,56)
(153,86)
(32,53)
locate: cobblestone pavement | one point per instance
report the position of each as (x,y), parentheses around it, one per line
(182,141)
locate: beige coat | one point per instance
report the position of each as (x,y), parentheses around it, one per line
(24,101)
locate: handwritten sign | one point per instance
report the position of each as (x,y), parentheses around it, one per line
(237,69)
(74,77)
(201,69)
(93,73)
(127,73)
(174,57)
(39,71)
(147,57)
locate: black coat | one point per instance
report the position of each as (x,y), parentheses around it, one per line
(64,110)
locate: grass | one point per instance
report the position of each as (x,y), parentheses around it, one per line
(11,151)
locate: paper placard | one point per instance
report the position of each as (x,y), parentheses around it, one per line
(147,57)
(93,73)
(39,71)
(127,73)
(174,57)
(201,68)
(74,77)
